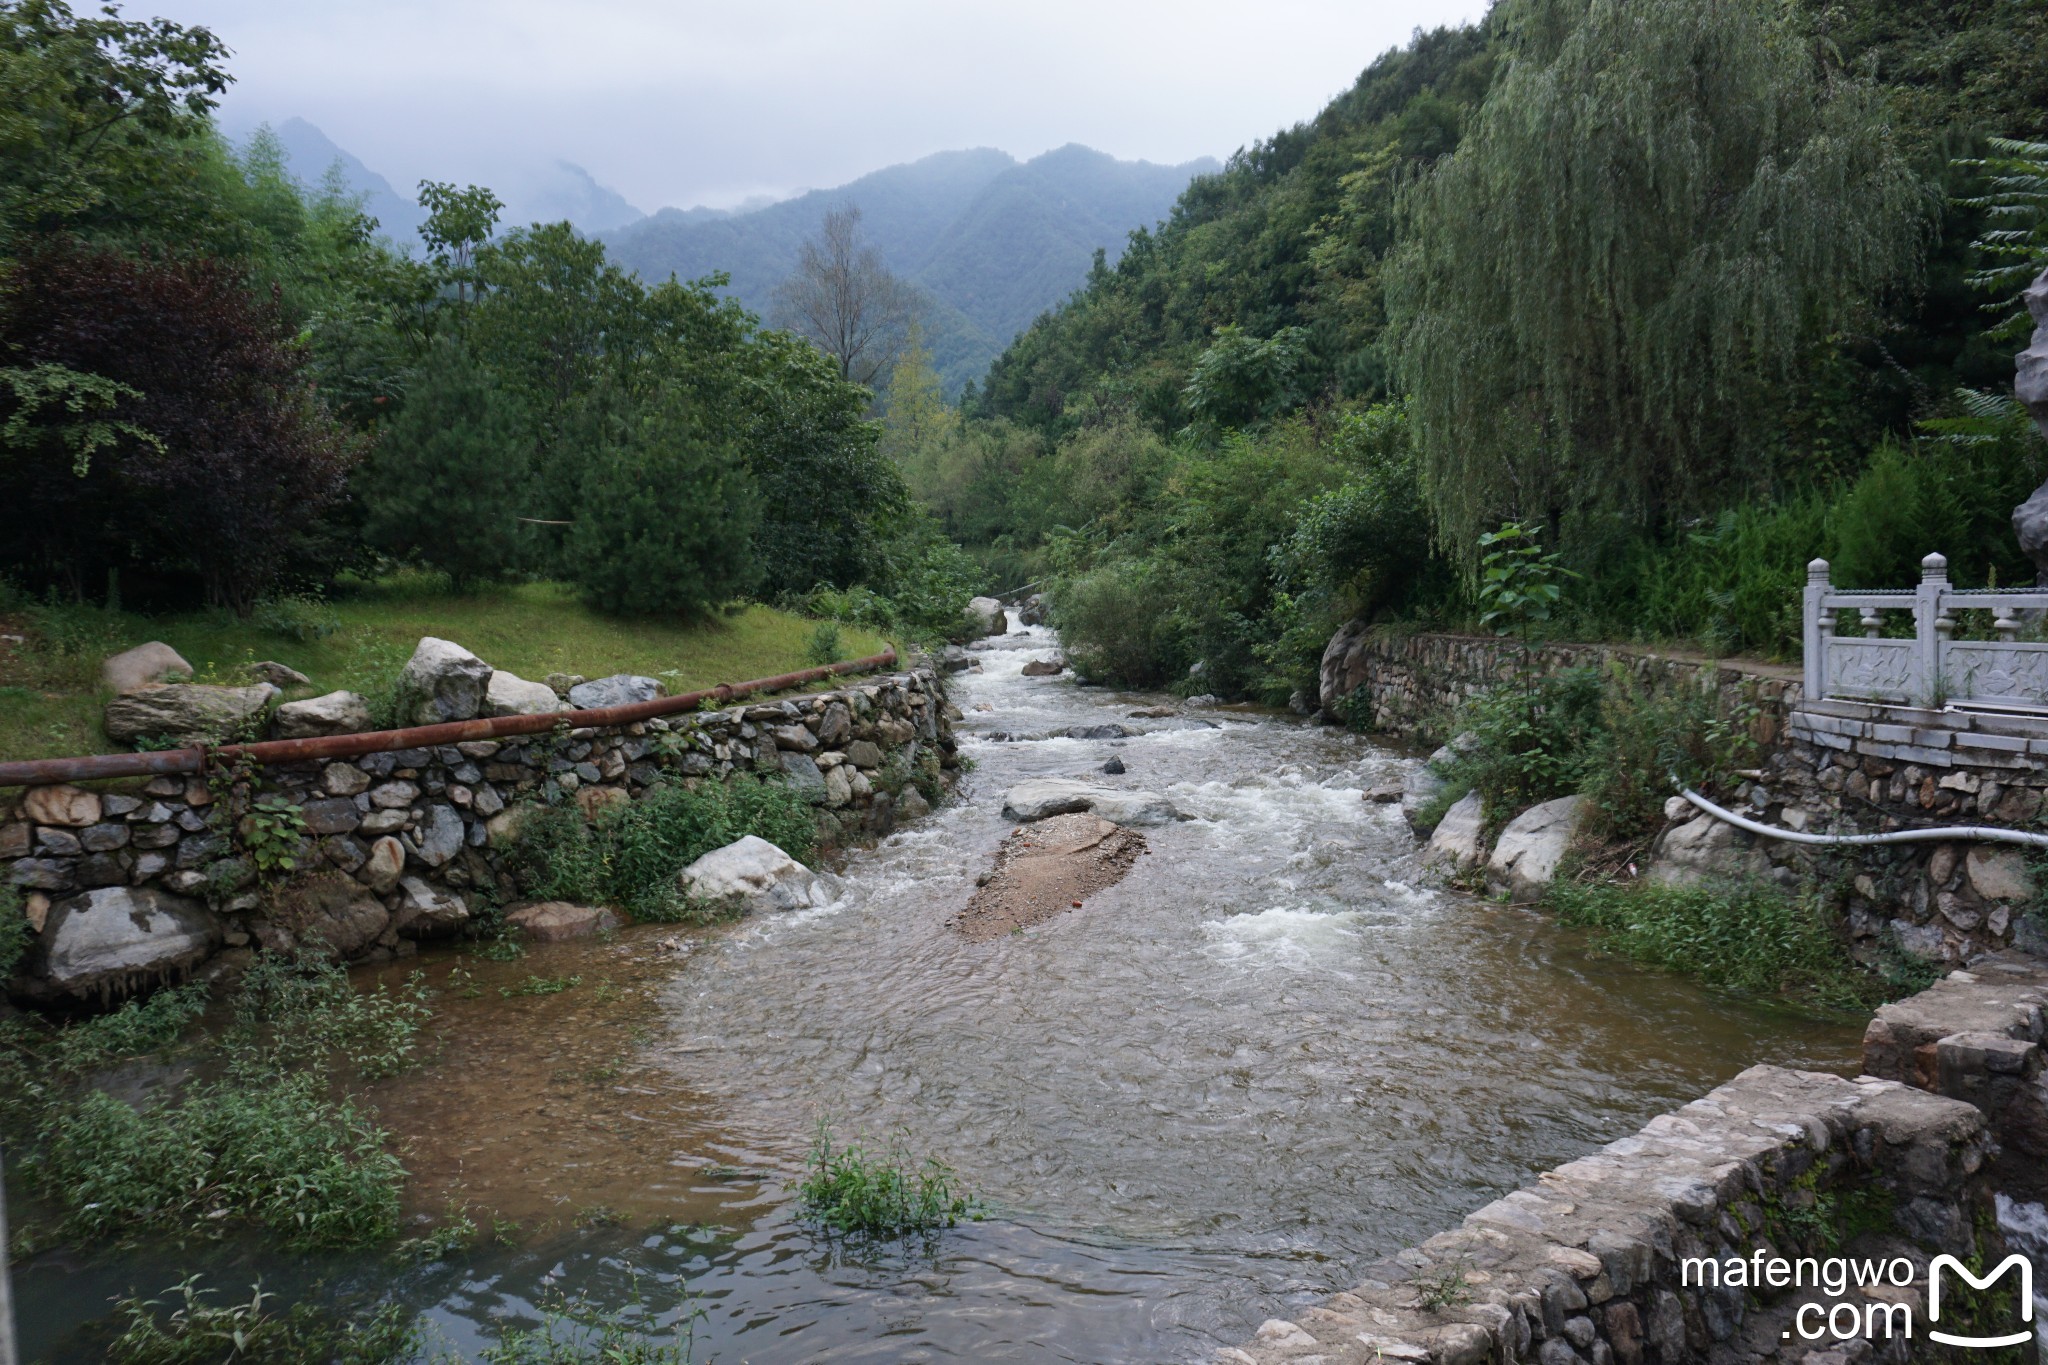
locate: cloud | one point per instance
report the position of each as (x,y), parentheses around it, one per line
(693,103)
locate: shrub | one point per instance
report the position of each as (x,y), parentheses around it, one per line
(630,855)
(879,1193)
(276,1152)
(1117,623)
(824,647)
(1648,746)
(1746,938)
(191,1331)
(1527,744)
(14,932)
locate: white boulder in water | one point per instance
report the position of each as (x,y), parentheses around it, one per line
(1043,797)
(1526,856)
(752,876)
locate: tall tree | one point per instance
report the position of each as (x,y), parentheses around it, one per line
(846,301)
(1608,295)
(448,481)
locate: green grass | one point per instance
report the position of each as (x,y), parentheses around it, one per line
(1746,938)
(50,699)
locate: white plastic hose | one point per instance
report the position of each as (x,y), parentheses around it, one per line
(1989,834)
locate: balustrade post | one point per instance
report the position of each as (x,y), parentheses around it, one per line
(1819,625)
(1928,661)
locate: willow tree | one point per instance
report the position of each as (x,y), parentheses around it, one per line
(1606,296)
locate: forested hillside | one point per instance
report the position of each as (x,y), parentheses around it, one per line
(990,241)
(1687,294)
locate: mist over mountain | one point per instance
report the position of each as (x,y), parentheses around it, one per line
(992,241)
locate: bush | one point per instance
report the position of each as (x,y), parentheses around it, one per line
(1116,623)
(1648,746)
(881,1193)
(191,1331)
(664,512)
(276,1152)
(1528,744)
(1746,938)
(630,855)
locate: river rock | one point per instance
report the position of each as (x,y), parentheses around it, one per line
(278,675)
(337,713)
(805,776)
(561,683)
(560,921)
(1459,839)
(1706,850)
(508,694)
(1419,787)
(621,689)
(381,870)
(911,805)
(145,666)
(2000,873)
(187,713)
(1031,611)
(985,616)
(752,876)
(440,836)
(334,913)
(1041,798)
(442,682)
(73,807)
(955,659)
(117,939)
(1526,855)
(1045,668)
(427,911)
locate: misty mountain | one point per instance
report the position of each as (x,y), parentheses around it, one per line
(547,195)
(992,241)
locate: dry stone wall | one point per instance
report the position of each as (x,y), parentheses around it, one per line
(136,883)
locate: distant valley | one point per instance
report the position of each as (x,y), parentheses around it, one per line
(990,240)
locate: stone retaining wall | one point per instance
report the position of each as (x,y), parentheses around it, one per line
(1828,766)
(402,840)
(1587,1264)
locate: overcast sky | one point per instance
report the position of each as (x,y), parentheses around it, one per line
(686,103)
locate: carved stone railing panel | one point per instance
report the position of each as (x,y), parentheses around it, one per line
(1851,655)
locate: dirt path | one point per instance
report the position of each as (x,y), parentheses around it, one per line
(1046,869)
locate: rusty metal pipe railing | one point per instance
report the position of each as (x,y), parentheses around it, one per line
(85,768)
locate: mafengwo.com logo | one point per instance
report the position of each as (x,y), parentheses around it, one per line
(1874,1314)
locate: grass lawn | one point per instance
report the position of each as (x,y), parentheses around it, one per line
(50,697)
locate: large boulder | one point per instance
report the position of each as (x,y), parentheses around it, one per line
(1032,610)
(508,694)
(1705,849)
(1526,855)
(331,913)
(1344,667)
(1459,840)
(188,713)
(751,876)
(559,921)
(621,689)
(1419,788)
(2030,385)
(441,682)
(1041,798)
(985,616)
(336,713)
(118,939)
(145,666)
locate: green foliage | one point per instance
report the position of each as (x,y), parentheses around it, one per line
(297,1013)
(663,512)
(1518,587)
(1240,379)
(630,855)
(1609,295)
(188,1330)
(879,1193)
(824,647)
(301,618)
(274,1152)
(1529,743)
(1748,939)
(577,1332)
(535,984)
(447,482)
(1648,746)
(1117,623)
(2015,240)
(271,834)
(14,930)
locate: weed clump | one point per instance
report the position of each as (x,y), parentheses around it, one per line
(879,1193)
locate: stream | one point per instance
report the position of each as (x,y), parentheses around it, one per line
(1204,1097)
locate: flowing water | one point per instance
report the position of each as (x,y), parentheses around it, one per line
(1207,1094)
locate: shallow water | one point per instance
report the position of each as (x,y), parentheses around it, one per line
(1212,1091)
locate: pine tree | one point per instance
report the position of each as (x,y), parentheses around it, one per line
(448,482)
